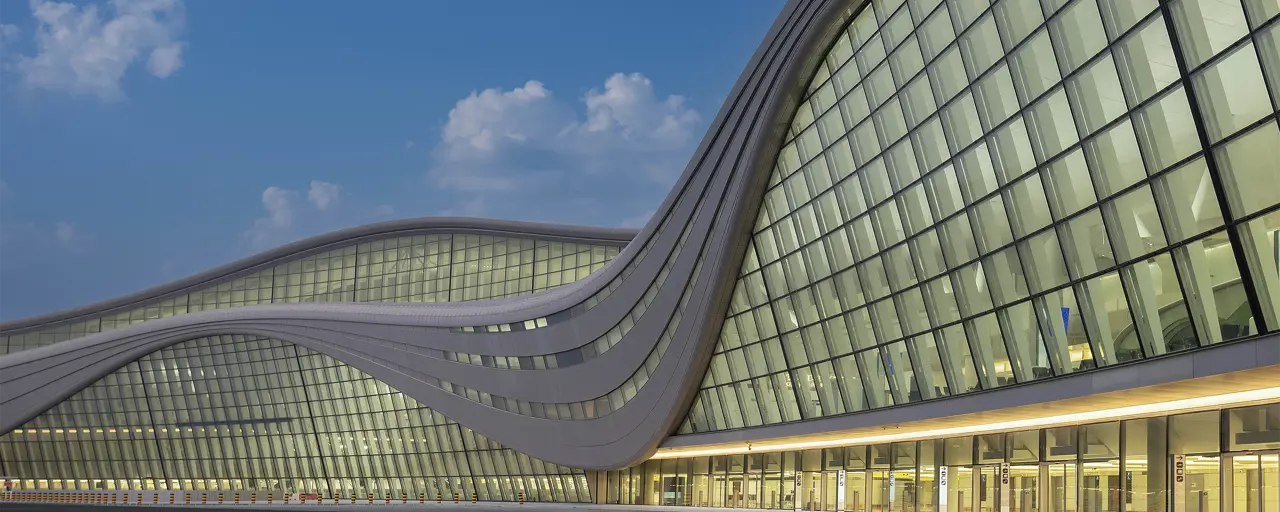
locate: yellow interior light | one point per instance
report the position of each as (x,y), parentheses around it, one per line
(1172,406)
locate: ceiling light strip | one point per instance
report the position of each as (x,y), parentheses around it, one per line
(1173,406)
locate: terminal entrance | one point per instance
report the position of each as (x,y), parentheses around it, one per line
(1048,487)
(1253,482)
(860,491)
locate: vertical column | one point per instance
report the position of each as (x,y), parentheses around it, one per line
(1158,465)
(1004,483)
(1179,492)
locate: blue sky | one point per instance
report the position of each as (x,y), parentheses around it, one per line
(145,140)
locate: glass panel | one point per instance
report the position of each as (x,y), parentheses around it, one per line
(1251,159)
(1100,485)
(1261,240)
(1206,27)
(1215,294)
(1024,482)
(1232,93)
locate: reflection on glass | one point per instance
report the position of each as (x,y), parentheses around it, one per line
(1261,244)
(1100,485)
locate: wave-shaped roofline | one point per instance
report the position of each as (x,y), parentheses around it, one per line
(339,238)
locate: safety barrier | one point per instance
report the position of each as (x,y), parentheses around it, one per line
(155,498)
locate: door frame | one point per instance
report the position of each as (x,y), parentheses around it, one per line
(1226,480)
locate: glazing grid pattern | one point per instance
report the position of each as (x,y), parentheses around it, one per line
(976,194)
(248,413)
(594,348)
(421,268)
(624,392)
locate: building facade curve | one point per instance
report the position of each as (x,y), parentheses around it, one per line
(931,255)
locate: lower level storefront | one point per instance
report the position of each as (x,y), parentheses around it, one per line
(1210,461)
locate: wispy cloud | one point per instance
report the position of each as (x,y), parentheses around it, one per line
(284,213)
(278,206)
(323,194)
(527,139)
(86,49)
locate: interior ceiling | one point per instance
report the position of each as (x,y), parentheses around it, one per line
(1264,378)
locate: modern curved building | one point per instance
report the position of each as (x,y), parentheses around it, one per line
(932,255)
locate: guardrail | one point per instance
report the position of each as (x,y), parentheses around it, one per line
(207,497)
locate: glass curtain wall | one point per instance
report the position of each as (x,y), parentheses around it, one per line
(981,193)
(1229,460)
(421,268)
(248,413)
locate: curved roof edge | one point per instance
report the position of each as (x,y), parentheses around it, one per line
(466,225)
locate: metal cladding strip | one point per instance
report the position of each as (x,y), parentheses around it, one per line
(716,198)
(340,238)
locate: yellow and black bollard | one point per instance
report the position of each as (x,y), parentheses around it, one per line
(455,498)
(473,496)
(253,498)
(269,498)
(126,498)
(186,498)
(237,498)
(438,497)
(204,498)
(155,498)
(521,495)
(387,497)
(113,499)
(422,498)
(170,498)
(219,498)
(353,498)
(370,498)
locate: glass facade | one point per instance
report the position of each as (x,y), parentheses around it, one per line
(332,445)
(248,413)
(981,193)
(1229,461)
(422,268)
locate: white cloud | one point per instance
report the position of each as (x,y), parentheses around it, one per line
(278,204)
(165,60)
(498,140)
(628,108)
(322,194)
(85,50)
(384,210)
(64,232)
(67,236)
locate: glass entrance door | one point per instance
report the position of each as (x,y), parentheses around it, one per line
(830,490)
(879,491)
(1255,482)
(1059,487)
(855,491)
(960,489)
(986,488)
(810,492)
(1024,482)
